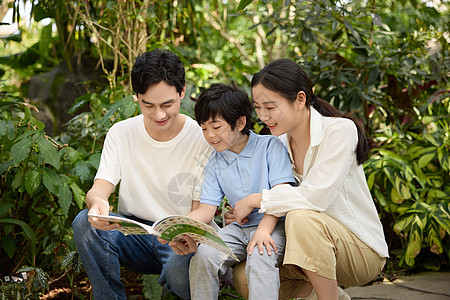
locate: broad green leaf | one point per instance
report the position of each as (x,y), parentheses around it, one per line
(4,207)
(2,127)
(52,180)
(9,245)
(10,130)
(434,241)
(243,4)
(29,233)
(412,250)
(395,196)
(29,133)
(370,180)
(421,178)
(128,107)
(5,166)
(83,170)
(435,194)
(151,288)
(380,197)
(424,160)
(352,30)
(443,158)
(94,160)
(403,224)
(48,152)
(32,181)
(78,194)
(65,197)
(18,181)
(21,150)
(72,154)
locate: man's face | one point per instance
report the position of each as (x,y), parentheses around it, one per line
(160,106)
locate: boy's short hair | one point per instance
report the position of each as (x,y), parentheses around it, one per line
(155,66)
(226,101)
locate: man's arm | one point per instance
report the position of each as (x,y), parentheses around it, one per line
(97,202)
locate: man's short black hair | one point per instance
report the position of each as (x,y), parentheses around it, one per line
(226,101)
(155,66)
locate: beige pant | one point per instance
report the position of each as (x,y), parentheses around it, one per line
(319,243)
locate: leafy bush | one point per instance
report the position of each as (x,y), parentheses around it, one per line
(42,180)
(407,177)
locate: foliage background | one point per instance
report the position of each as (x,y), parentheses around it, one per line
(385,61)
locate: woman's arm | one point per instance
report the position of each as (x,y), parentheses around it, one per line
(323,180)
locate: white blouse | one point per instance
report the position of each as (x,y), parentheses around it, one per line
(332,182)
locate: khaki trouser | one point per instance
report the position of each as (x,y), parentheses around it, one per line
(319,243)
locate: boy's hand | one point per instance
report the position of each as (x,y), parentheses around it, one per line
(162,241)
(245,206)
(101,207)
(262,238)
(183,246)
(230,217)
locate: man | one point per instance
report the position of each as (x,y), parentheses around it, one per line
(158,158)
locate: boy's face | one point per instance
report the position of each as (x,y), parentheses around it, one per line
(218,133)
(160,106)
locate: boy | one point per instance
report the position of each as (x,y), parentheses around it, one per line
(158,158)
(243,163)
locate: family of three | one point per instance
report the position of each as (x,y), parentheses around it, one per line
(303,220)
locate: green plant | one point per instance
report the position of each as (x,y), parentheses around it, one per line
(43,179)
(37,185)
(407,176)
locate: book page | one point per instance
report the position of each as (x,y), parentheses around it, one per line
(174,227)
(128,226)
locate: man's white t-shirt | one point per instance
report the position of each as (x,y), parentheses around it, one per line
(157,179)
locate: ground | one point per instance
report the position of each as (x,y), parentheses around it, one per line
(60,289)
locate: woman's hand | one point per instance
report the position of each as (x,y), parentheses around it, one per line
(245,206)
(262,238)
(182,246)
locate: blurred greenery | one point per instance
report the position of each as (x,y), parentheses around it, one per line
(385,61)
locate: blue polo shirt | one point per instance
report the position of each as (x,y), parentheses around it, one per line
(262,164)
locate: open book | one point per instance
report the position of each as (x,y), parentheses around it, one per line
(173,228)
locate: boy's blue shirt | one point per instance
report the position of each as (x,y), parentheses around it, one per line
(263,163)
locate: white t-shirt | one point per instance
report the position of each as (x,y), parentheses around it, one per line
(332,182)
(157,179)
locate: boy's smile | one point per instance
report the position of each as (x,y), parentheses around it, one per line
(218,133)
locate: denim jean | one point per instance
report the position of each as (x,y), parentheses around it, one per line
(103,252)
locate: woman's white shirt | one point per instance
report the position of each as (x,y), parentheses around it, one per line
(332,182)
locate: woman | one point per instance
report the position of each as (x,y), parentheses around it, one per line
(334,235)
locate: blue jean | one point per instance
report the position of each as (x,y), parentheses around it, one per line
(103,252)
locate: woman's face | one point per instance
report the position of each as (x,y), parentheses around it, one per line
(274,110)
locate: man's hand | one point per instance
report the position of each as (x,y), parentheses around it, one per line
(183,246)
(262,238)
(245,206)
(101,207)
